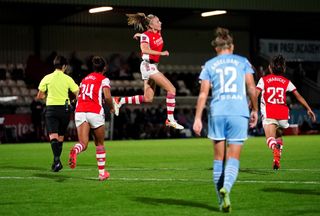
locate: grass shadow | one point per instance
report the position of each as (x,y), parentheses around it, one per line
(30,168)
(292,191)
(53,176)
(256,172)
(87,165)
(253,171)
(314,211)
(177,202)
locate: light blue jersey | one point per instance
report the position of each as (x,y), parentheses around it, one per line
(226,74)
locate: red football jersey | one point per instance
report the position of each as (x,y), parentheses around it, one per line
(155,43)
(90,95)
(273,100)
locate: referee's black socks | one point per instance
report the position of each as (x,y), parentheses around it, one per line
(55,150)
(60,148)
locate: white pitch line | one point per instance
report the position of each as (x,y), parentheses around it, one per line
(169,180)
(20,177)
(160,169)
(113,169)
(206,180)
(282,169)
(279,182)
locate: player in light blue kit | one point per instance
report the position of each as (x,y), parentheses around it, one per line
(231,77)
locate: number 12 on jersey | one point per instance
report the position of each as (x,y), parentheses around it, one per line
(228,85)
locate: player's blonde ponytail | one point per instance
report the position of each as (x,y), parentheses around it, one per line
(223,39)
(139,21)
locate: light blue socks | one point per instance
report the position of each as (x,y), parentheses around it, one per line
(230,173)
(218,177)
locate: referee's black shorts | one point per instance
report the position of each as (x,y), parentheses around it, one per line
(57,119)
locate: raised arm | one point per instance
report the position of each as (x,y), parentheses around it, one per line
(136,36)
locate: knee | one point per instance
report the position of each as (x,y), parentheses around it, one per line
(148,99)
(172,90)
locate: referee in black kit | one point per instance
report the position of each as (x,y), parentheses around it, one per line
(55,88)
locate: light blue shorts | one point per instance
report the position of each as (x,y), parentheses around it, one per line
(233,129)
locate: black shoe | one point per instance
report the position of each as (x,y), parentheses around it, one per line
(56,167)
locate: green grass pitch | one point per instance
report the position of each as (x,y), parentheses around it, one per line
(159,177)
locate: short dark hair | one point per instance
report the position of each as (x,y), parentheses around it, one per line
(278,65)
(98,63)
(59,61)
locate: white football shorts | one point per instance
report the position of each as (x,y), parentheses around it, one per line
(95,120)
(279,123)
(147,69)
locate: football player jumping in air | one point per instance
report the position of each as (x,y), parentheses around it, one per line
(151,44)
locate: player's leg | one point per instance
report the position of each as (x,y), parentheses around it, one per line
(99,134)
(216,133)
(64,119)
(218,168)
(279,139)
(146,70)
(232,164)
(52,124)
(136,99)
(149,88)
(270,133)
(97,123)
(55,147)
(236,132)
(83,130)
(270,128)
(164,83)
(282,125)
(277,151)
